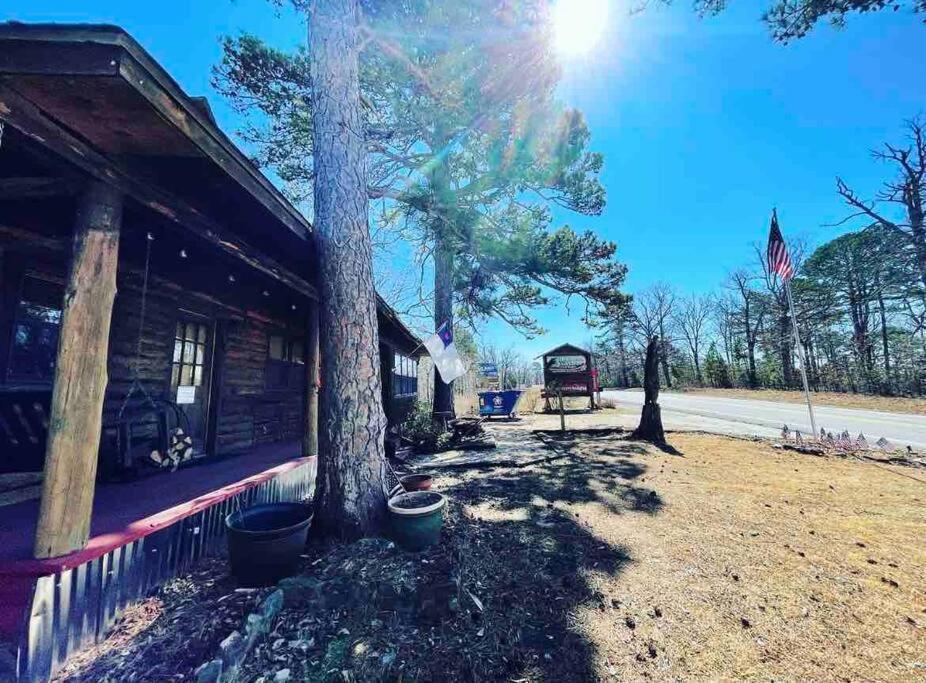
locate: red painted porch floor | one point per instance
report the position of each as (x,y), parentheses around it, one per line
(127,510)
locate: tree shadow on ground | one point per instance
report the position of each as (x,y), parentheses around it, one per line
(500,597)
(533,560)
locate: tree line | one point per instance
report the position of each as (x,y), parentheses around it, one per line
(860,301)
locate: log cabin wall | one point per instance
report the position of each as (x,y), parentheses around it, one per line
(251,412)
(250,408)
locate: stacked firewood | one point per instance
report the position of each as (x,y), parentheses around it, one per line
(180,449)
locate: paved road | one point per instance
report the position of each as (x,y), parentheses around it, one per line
(765,418)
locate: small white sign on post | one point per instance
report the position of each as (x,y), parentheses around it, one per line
(186,395)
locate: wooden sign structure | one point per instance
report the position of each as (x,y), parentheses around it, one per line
(568,370)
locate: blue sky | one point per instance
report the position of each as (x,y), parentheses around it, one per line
(704,124)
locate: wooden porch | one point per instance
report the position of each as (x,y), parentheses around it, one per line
(142,533)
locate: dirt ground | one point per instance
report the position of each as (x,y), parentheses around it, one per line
(889,404)
(615,561)
(757,563)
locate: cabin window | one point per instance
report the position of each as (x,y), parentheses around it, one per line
(34,348)
(405,376)
(285,358)
(189,354)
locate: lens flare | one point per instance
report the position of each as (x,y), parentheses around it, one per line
(578,25)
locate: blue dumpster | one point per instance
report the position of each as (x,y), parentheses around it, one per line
(498,402)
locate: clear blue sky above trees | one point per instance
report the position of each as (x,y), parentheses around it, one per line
(705,125)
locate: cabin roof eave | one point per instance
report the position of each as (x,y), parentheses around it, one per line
(140,70)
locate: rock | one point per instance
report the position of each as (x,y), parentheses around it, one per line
(745,623)
(271,606)
(232,652)
(281,676)
(300,591)
(631,623)
(210,672)
(890,582)
(657,612)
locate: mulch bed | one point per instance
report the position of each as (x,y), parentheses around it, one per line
(168,635)
(493,601)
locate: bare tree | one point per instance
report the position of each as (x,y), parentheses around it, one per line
(691,319)
(751,313)
(723,315)
(907,191)
(652,310)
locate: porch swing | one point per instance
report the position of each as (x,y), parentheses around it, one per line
(170,444)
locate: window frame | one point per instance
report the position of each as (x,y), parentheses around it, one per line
(404,375)
(36,325)
(280,374)
(199,343)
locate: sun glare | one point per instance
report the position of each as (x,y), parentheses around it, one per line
(578,25)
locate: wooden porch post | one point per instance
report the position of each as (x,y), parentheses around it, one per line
(80,376)
(310,439)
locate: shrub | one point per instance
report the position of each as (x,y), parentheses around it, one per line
(422,431)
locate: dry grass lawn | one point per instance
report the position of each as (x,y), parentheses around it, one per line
(613,561)
(743,561)
(889,404)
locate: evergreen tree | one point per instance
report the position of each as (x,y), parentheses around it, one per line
(467,145)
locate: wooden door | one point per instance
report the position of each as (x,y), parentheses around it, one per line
(190,376)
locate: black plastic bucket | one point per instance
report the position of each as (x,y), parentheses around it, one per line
(265,541)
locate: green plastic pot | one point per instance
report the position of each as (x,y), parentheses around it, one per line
(416,518)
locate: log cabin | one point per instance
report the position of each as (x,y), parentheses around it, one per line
(158,337)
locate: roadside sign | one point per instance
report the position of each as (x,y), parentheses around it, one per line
(488,370)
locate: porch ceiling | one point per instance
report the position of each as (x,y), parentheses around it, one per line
(101,86)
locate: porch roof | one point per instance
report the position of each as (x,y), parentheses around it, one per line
(102,84)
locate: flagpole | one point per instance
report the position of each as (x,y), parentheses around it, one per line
(800,351)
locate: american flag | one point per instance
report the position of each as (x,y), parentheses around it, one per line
(778,259)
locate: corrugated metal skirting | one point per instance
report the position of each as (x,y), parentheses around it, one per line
(75,608)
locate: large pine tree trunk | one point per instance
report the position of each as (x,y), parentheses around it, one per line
(444,247)
(349,495)
(443,312)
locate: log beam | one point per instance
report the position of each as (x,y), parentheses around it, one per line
(80,376)
(310,438)
(31,188)
(23,115)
